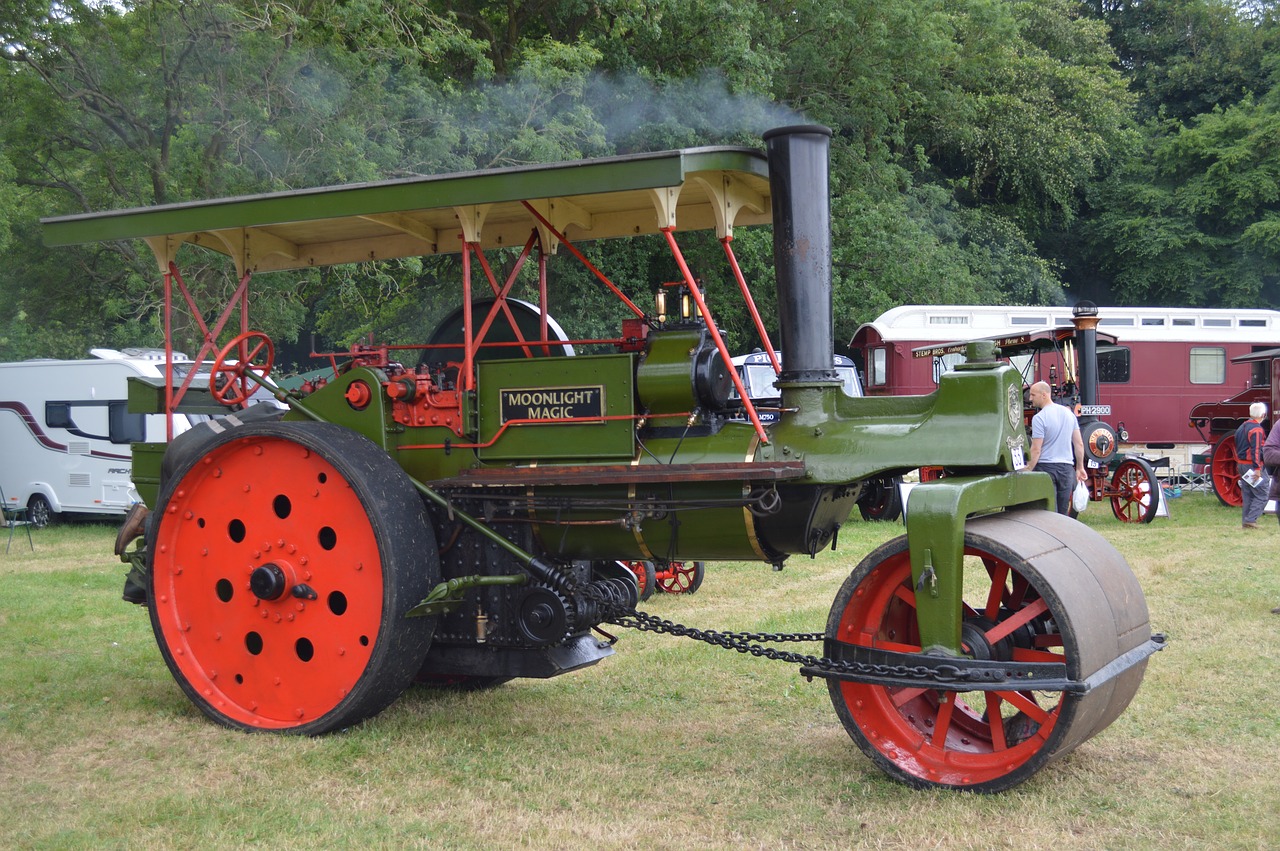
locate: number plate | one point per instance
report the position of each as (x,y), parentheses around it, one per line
(1095,410)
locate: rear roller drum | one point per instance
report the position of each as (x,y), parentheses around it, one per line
(1038,587)
(284,558)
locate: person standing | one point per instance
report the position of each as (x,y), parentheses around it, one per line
(1056,445)
(1254,481)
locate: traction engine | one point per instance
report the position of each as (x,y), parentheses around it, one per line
(470,510)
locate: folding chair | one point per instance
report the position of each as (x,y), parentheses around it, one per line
(14,516)
(1199,476)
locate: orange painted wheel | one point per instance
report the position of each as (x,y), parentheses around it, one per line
(1028,597)
(282,564)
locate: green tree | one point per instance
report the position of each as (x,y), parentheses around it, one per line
(1194,220)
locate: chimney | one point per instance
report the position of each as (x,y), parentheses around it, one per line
(798,164)
(1085,317)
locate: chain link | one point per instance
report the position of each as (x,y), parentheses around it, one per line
(754,644)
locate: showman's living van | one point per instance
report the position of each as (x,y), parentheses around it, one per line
(65,430)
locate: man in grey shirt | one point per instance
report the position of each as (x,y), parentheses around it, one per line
(1056,445)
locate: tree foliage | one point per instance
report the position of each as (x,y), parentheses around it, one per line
(984,150)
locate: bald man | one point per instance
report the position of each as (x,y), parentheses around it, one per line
(1056,446)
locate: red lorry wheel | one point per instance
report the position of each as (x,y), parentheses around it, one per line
(1135,495)
(1225,473)
(681,577)
(1038,587)
(283,562)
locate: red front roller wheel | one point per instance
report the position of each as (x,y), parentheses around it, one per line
(1135,492)
(1038,587)
(283,562)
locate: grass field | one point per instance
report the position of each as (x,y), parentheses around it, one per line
(668,744)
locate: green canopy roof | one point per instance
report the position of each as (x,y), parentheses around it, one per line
(691,189)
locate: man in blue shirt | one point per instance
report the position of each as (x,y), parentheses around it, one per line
(1056,446)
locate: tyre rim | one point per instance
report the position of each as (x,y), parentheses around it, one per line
(237,562)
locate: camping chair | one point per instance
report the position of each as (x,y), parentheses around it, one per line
(14,517)
(1199,476)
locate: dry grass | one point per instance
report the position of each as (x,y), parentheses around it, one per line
(669,744)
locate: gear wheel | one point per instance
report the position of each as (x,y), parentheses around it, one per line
(544,616)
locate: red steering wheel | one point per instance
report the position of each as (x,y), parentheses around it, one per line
(230,382)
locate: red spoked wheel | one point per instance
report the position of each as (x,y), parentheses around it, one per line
(1134,492)
(1038,587)
(645,574)
(283,562)
(230,382)
(1225,473)
(681,577)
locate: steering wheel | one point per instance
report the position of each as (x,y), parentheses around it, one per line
(235,386)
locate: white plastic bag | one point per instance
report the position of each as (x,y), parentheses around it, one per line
(1080,499)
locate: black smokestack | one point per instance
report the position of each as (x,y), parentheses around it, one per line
(1085,317)
(798,162)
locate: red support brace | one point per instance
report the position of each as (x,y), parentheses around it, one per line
(715,334)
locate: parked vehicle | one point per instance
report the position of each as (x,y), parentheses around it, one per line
(1216,422)
(66,429)
(1154,364)
(462,518)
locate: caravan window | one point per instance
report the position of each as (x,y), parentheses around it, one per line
(879,367)
(58,415)
(944,363)
(1208,365)
(85,419)
(124,427)
(1113,364)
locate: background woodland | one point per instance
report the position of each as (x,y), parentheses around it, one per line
(985,151)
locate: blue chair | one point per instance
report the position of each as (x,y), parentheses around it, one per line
(13,517)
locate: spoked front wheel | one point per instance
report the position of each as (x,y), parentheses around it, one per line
(1135,492)
(1039,587)
(284,560)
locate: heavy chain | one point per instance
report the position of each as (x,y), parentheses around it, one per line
(612,610)
(753,643)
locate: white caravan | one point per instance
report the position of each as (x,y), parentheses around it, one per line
(65,430)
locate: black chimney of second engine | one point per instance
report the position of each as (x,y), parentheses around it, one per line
(798,175)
